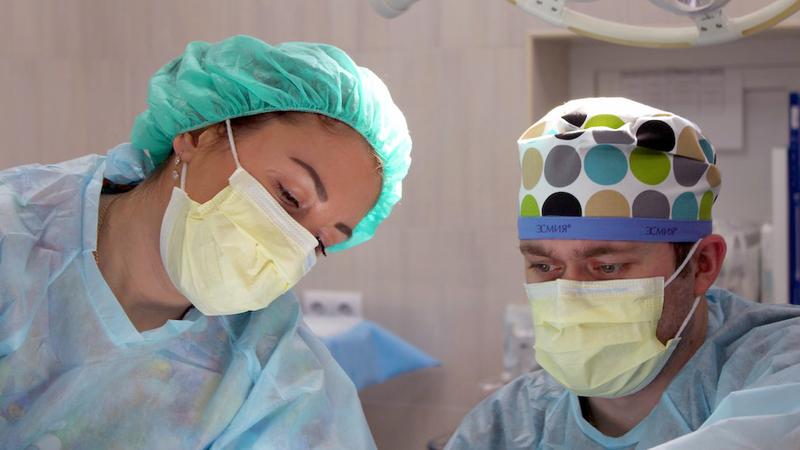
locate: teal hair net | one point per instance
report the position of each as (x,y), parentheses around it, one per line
(242,76)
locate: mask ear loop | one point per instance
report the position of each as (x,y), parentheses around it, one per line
(696,300)
(233,151)
(683,264)
(184,168)
(688,316)
(232,144)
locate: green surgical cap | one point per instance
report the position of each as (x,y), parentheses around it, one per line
(242,76)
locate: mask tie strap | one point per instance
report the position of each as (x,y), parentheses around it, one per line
(683,264)
(232,144)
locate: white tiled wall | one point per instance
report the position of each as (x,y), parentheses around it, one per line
(73,75)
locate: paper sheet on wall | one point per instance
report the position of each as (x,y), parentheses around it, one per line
(776,259)
(711,97)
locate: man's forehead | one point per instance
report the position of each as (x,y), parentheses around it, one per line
(550,247)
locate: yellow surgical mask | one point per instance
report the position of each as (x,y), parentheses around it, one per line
(238,251)
(598,338)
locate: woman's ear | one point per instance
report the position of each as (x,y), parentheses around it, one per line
(708,261)
(188,143)
(185,146)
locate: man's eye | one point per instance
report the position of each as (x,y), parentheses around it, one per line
(543,268)
(609,268)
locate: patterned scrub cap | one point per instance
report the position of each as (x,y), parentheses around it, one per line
(614,169)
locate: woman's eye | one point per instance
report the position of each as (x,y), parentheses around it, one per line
(288,197)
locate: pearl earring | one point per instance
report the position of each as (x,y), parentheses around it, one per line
(175,173)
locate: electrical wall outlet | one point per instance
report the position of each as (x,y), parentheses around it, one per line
(332,303)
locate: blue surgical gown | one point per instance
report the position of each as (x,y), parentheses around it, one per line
(747,373)
(76,374)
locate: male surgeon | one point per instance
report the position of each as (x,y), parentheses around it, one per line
(637,348)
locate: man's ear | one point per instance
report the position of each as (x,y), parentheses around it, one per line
(708,259)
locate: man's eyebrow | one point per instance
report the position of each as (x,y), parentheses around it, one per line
(534,250)
(321,192)
(586,252)
(344,229)
(604,250)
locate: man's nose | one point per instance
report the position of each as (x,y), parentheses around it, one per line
(574,273)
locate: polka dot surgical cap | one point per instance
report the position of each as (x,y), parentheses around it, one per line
(615,169)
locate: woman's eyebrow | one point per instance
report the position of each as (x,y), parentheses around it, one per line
(321,192)
(344,229)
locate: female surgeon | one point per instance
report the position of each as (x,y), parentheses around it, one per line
(144,295)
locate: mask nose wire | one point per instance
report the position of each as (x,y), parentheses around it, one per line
(683,264)
(232,144)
